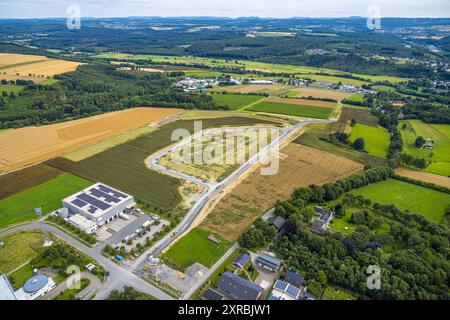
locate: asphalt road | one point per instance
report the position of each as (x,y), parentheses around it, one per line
(118,276)
(210,190)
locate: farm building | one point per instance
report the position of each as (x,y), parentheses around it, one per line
(268,262)
(99,203)
(238,288)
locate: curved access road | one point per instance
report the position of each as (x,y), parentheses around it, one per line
(118,276)
(210,190)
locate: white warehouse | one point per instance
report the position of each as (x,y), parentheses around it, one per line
(99,203)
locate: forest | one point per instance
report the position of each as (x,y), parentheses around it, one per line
(91,90)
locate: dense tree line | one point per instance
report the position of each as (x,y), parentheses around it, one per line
(95,89)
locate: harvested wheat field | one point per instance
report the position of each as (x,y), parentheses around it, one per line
(302,102)
(12,58)
(424,176)
(24,146)
(300,166)
(322,94)
(47,68)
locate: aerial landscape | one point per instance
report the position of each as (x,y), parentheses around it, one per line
(222,156)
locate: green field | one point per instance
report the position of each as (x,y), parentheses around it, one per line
(291,109)
(123,166)
(429,203)
(301,71)
(439,133)
(376,139)
(48,195)
(235,101)
(195,247)
(8,88)
(356,97)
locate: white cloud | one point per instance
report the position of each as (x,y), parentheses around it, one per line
(229,8)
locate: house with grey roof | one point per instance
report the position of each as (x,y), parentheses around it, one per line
(238,288)
(293,278)
(278,222)
(268,262)
(321,223)
(241,260)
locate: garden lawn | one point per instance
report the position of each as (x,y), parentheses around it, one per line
(48,195)
(376,139)
(292,109)
(195,247)
(406,196)
(235,101)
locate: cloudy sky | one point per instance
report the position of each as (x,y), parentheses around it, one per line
(224,8)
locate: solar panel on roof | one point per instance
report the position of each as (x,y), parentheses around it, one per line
(95,202)
(113,192)
(79,203)
(281,285)
(100,194)
(211,294)
(293,291)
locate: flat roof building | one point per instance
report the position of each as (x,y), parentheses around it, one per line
(34,288)
(99,203)
(82,223)
(268,262)
(6,289)
(238,288)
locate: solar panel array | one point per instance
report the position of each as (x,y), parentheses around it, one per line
(211,295)
(93,201)
(98,197)
(288,288)
(115,193)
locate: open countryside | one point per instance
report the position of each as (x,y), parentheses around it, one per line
(238,209)
(34,144)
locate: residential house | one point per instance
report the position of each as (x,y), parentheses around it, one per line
(238,288)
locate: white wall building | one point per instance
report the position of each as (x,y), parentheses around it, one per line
(81,222)
(34,288)
(99,203)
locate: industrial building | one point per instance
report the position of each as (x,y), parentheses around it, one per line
(82,223)
(98,203)
(34,288)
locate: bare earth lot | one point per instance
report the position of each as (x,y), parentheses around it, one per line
(424,176)
(24,146)
(300,166)
(322,94)
(303,102)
